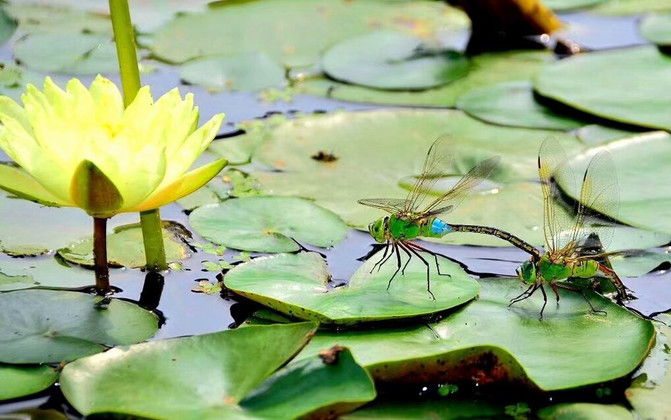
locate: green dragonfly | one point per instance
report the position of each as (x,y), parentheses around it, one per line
(567,253)
(417,216)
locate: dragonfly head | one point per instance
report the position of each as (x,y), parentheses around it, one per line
(527,272)
(377,229)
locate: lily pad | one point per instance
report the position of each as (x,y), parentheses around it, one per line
(267,224)
(47,17)
(26,273)
(489,342)
(595,134)
(657,29)
(126,249)
(18,381)
(647,395)
(378,151)
(46,326)
(584,411)
(564,5)
(71,53)
(632,7)
(7,26)
(297,286)
(393,61)
(639,265)
(213,376)
(291,32)
(513,103)
(645,200)
(243,72)
(486,69)
(627,89)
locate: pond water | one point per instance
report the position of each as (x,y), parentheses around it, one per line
(187,313)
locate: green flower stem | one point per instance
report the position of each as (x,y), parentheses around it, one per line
(152,234)
(124,36)
(100,256)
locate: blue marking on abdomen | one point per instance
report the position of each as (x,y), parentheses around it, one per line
(438,227)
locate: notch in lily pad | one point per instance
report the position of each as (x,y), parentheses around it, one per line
(268,224)
(298,285)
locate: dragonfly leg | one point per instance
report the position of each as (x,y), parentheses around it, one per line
(524,295)
(622,294)
(428,271)
(582,293)
(398,262)
(545,301)
(405,249)
(435,256)
(380,261)
(554,289)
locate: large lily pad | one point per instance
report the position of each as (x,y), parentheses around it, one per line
(48,17)
(645,200)
(125,247)
(653,383)
(657,29)
(446,409)
(393,61)
(378,153)
(281,27)
(564,5)
(7,26)
(18,381)
(491,342)
(243,72)
(627,89)
(267,224)
(71,53)
(297,285)
(45,326)
(633,7)
(214,376)
(585,411)
(513,103)
(486,69)
(26,273)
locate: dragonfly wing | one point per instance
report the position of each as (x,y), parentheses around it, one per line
(438,162)
(390,205)
(559,224)
(599,194)
(457,193)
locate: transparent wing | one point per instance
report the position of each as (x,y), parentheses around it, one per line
(559,224)
(390,205)
(438,162)
(599,194)
(457,193)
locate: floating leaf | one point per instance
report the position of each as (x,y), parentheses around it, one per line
(297,285)
(595,134)
(280,27)
(267,224)
(584,411)
(25,273)
(7,26)
(243,72)
(653,383)
(627,89)
(125,247)
(513,103)
(486,69)
(564,5)
(445,409)
(487,341)
(393,61)
(71,53)
(633,7)
(657,29)
(47,17)
(18,381)
(46,326)
(214,376)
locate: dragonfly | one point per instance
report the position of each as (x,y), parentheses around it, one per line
(568,255)
(418,215)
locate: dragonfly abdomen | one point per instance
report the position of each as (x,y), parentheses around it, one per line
(436,228)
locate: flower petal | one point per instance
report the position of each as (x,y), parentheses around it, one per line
(94,192)
(184,186)
(20,183)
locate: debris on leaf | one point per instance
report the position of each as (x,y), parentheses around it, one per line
(330,356)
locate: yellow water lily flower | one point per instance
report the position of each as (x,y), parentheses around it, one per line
(81,148)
